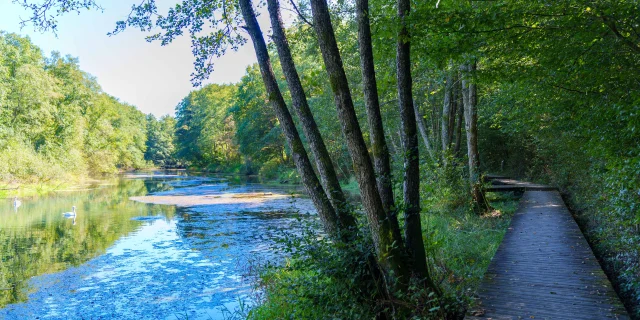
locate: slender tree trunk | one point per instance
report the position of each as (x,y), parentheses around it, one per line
(446,113)
(389,250)
(459,120)
(379,147)
(452,112)
(309,179)
(423,131)
(318,148)
(471,127)
(411,185)
(435,127)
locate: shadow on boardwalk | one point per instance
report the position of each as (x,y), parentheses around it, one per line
(545,269)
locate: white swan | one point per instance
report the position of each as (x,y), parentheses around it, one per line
(16,202)
(72,213)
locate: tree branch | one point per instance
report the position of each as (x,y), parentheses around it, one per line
(295,7)
(612,26)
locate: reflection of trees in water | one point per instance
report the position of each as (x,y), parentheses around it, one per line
(153,185)
(39,240)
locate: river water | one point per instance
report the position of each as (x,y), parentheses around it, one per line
(124,259)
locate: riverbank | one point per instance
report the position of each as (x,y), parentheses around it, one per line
(10,190)
(459,244)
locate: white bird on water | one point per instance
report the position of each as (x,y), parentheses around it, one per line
(16,202)
(72,213)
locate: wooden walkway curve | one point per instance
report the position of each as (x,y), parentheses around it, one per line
(545,269)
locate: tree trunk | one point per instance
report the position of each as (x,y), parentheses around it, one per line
(446,113)
(452,111)
(411,185)
(388,248)
(459,120)
(318,148)
(309,179)
(471,126)
(379,147)
(423,131)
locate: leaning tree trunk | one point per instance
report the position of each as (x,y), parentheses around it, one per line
(471,126)
(379,147)
(389,250)
(411,185)
(309,179)
(318,148)
(422,127)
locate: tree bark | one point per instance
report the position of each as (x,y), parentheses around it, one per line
(389,249)
(411,185)
(452,111)
(459,120)
(423,131)
(471,126)
(303,164)
(380,151)
(446,113)
(318,148)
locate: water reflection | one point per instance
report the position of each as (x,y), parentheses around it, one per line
(37,238)
(121,259)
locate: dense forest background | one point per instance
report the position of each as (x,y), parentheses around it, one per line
(557,102)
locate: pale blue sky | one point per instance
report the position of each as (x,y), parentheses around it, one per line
(147,75)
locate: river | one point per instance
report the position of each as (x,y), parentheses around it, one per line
(121,258)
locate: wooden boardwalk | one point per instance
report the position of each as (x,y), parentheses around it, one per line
(545,269)
(505,184)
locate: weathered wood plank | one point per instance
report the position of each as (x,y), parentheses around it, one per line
(518,188)
(489,177)
(545,269)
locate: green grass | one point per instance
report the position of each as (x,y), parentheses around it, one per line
(460,246)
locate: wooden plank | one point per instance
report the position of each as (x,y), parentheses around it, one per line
(489,177)
(510,185)
(545,269)
(518,188)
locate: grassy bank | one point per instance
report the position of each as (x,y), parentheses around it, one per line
(313,282)
(10,190)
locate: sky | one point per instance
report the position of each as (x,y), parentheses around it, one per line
(147,75)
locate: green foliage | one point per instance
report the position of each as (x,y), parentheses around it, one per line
(204,129)
(56,124)
(258,133)
(320,280)
(160,141)
(560,105)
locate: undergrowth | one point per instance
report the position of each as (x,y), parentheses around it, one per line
(324,280)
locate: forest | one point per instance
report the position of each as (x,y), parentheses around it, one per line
(406,103)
